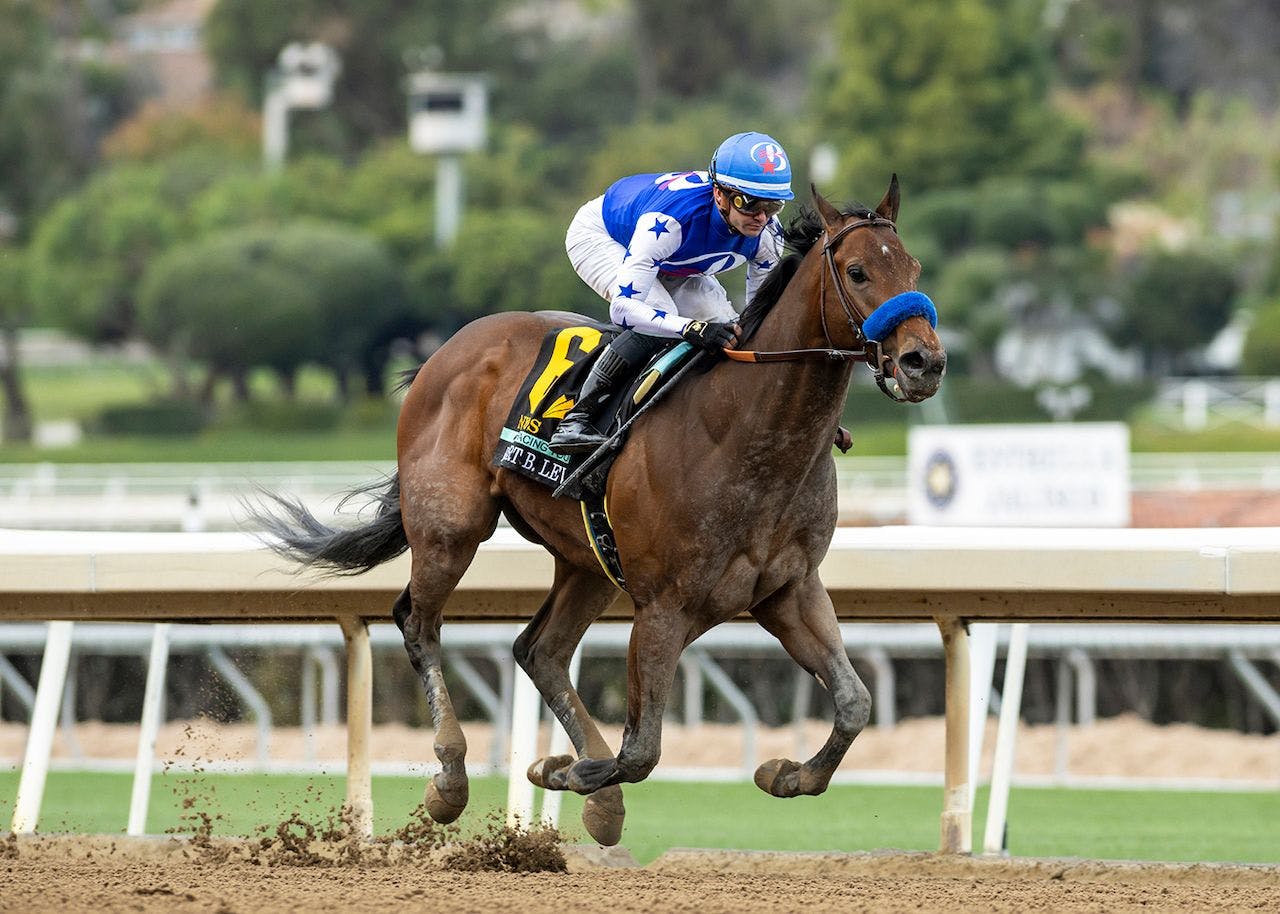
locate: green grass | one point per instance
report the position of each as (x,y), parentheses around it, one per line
(1102,824)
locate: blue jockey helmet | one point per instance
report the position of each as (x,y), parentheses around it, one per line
(755,164)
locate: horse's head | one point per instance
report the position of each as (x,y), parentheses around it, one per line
(866,267)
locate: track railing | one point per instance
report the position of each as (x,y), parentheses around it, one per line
(951,577)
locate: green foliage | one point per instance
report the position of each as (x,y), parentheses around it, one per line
(1262,345)
(524,267)
(89,254)
(15,298)
(156,417)
(945,93)
(274,297)
(967,292)
(279,416)
(1178,301)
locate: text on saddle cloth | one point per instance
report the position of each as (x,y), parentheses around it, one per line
(545,397)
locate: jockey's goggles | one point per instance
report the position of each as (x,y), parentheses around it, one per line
(751,205)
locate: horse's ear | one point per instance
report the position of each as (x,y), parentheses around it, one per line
(889,205)
(830,215)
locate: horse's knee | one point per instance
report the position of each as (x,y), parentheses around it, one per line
(636,765)
(853,713)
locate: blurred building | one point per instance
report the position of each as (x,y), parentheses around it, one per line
(163,48)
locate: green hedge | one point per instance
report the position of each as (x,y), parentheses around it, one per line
(155,417)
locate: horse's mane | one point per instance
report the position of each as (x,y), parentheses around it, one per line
(798,237)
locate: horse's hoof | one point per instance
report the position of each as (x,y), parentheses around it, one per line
(550,773)
(602,815)
(779,777)
(445,804)
(588,775)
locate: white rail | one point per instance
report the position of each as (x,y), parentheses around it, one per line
(948,576)
(207,496)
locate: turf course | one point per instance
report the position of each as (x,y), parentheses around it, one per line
(1102,824)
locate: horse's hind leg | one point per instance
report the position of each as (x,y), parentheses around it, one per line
(544,650)
(438,563)
(802,618)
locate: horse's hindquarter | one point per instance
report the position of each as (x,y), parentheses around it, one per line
(449,426)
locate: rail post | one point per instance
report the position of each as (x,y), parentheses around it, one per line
(957,834)
(359,723)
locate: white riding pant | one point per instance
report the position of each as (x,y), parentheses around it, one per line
(598,258)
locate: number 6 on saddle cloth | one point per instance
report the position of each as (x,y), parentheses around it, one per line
(549,393)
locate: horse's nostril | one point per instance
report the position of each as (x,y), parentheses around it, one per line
(912,362)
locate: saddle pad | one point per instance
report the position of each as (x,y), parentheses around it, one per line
(545,397)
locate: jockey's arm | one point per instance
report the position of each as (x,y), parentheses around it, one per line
(657,236)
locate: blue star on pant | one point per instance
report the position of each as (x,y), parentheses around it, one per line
(659,228)
(765,264)
(627,291)
(658,315)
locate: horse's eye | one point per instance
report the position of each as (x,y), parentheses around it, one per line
(856,273)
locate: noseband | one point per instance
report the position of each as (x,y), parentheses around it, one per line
(868,350)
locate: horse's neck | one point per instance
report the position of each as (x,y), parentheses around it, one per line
(797,403)
(795,321)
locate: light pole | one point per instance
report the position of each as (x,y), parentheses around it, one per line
(448,116)
(303,78)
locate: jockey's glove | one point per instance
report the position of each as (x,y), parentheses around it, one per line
(711,335)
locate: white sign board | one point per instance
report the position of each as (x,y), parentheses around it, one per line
(1050,475)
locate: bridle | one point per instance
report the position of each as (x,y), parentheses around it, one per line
(868,350)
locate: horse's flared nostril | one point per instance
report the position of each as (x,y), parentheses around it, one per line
(913,362)
(919,363)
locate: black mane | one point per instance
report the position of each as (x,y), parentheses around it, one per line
(798,237)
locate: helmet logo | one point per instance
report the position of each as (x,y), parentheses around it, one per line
(770,157)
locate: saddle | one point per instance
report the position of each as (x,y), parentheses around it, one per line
(549,393)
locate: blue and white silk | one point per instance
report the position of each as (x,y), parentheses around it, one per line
(669,225)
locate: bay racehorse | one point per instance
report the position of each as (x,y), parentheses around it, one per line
(723,502)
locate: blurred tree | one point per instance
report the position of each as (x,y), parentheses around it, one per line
(227,302)
(15,311)
(1176,303)
(92,249)
(693,51)
(221,125)
(277,297)
(54,104)
(946,94)
(514,260)
(1262,345)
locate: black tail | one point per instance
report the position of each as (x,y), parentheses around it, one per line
(299,536)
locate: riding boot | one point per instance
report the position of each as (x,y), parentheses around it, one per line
(576,433)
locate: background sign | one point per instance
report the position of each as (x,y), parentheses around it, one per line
(1051,475)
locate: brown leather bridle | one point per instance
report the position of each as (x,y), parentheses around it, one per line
(869,350)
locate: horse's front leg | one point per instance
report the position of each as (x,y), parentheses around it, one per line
(543,651)
(657,639)
(802,618)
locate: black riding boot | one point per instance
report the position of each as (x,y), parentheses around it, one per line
(576,433)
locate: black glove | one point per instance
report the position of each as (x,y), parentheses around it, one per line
(710,335)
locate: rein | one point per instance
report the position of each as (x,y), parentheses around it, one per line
(870,351)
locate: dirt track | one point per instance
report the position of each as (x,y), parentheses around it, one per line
(70,875)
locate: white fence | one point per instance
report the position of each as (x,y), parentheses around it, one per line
(196,497)
(951,577)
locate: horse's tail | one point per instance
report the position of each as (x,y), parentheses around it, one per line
(299,536)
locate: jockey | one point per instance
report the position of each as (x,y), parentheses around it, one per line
(650,246)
